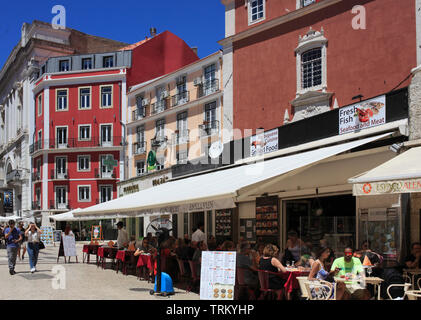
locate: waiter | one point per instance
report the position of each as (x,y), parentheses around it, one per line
(123,237)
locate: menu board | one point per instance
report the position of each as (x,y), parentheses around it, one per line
(47,235)
(57,235)
(248,229)
(223,223)
(267,218)
(217,277)
(96,233)
(69,246)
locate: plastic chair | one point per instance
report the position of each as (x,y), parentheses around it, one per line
(405,286)
(413,294)
(264,285)
(303,288)
(242,285)
(319,288)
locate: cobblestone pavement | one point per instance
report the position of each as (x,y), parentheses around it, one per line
(82,281)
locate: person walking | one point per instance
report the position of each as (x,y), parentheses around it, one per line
(22,243)
(13,237)
(33,234)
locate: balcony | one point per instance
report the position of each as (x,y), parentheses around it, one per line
(159,106)
(209,128)
(75,143)
(56,205)
(159,142)
(36,176)
(138,114)
(105,175)
(207,87)
(36,205)
(139,148)
(181,137)
(180,98)
(55,175)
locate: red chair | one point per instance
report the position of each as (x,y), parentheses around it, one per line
(264,285)
(195,277)
(241,284)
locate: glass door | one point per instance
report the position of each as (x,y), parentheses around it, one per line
(61,202)
(61,168)
(106,135)
(106,193)
(62,137)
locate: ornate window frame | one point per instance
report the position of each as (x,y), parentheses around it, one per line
(313,39)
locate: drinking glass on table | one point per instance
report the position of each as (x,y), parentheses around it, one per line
(369,271)
(288,264)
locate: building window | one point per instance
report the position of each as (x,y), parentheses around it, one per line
(61,198)
(160,129)
(62,137)
(84,193)
(311,68)
(84,132)
(40,105)
(38,197)
(64,65)
(106,171)
(61,168)
(160,163)
(305,3)
(106,135)
(140,168)
(140,108)
(86,64)
(182,157)
(43,69)
(106,193)
(62,100)
(108,62)
(106,97)
(84,163)
(256,9)
(84,98)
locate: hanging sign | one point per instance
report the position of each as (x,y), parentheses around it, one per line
(387,187)
(362,115)
(151,160)
(262,144)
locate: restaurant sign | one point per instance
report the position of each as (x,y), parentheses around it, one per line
(387,187)
(363,115)
(264,143)
(190,207)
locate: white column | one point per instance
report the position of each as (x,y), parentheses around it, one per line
(418,29)
(123,120)
(228,98)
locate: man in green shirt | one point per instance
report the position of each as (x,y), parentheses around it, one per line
(348,264)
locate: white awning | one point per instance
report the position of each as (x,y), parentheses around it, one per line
(69,216)
(7,219)
(401,174)
(214,190)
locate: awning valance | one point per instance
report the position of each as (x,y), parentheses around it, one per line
(401,174)
(215,190)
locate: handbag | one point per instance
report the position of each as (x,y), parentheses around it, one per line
(41,245)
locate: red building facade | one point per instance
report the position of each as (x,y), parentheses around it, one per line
(314,55)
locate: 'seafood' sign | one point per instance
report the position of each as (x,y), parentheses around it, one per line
(387,187)
(362,115)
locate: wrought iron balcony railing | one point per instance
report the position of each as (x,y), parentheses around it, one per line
(180,98)
(73,143)
(208,87)
(209,128)
(181,137)
(139,148)
(159,106)
(138,114)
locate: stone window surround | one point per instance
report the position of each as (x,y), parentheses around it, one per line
(247,5)
(313,39)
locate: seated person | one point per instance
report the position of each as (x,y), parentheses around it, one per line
(244,262)
(413,261)
(268,262)
(351,265)
(375,258)
(228,246)
(212,243)
(144,248)
(319,272)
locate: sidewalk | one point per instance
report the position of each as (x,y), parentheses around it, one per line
(82,281)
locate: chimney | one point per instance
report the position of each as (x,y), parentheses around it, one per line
(153,32)
(194,50)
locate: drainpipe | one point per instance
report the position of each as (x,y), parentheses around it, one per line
(124,135)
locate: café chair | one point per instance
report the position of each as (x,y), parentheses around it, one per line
(303,288)
(195,277)
(264,285)
(413,294)
(321,290)
(419,283)
(405,286)
(241,285)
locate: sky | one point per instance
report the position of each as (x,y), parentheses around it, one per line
(200,23)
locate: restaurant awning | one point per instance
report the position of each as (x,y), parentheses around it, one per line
(401,174)
(69,216)
(7,219)
(215,190)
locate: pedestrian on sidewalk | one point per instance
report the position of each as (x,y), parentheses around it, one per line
(13,237)
(34,236)
(22,243)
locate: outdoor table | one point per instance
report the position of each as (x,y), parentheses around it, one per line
(291,280)
(123,256)
(89,249)
(145,260)
(106,252)
(376,282)
(413,273)
(351,285)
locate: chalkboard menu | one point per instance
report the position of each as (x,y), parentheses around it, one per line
(267,219)
(223,223)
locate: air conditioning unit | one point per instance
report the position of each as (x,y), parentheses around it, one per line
(145,102)
(197,81)
(164,94)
